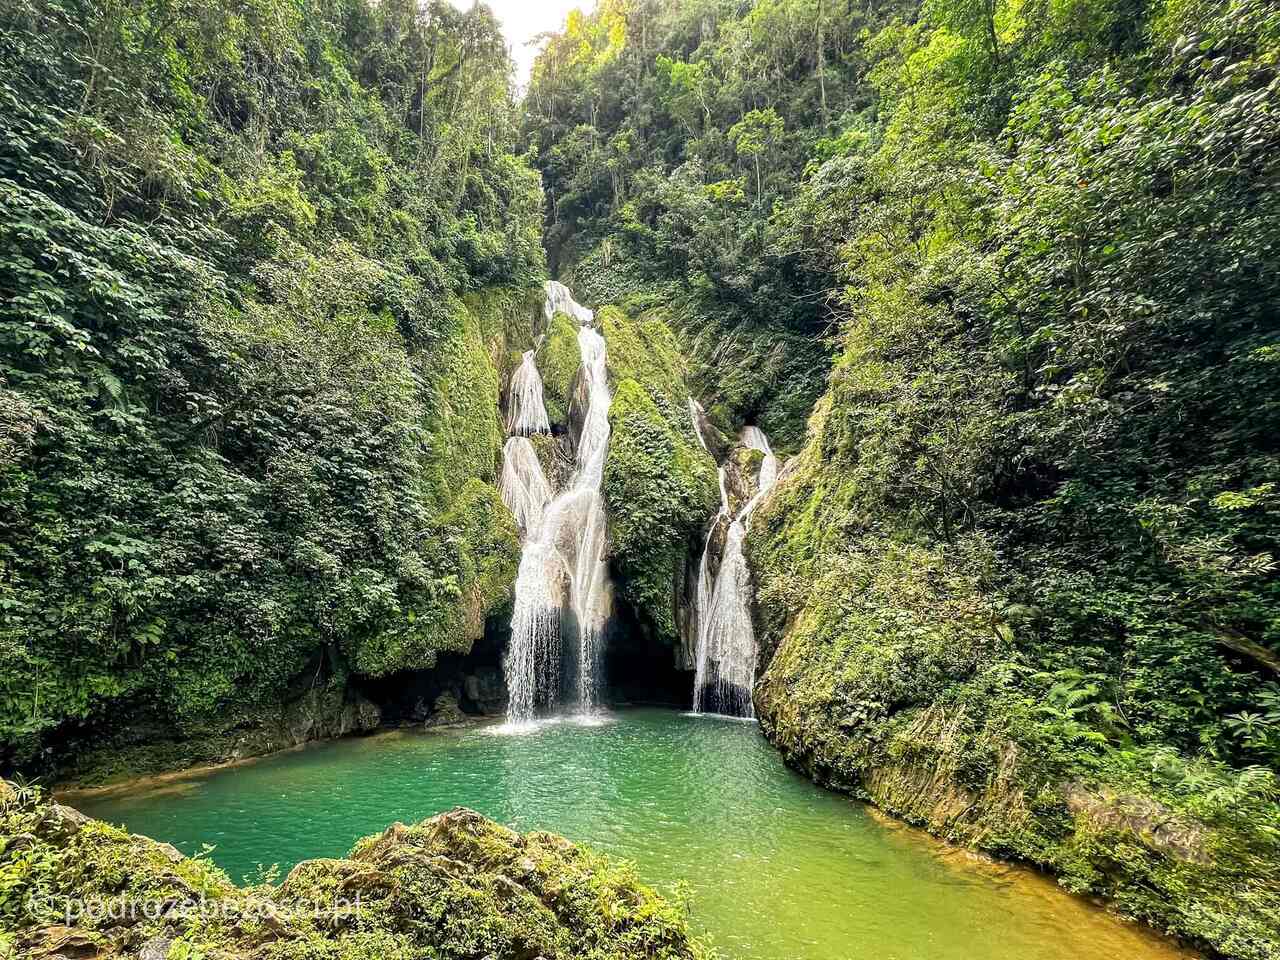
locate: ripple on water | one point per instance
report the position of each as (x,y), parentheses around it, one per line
(778,869)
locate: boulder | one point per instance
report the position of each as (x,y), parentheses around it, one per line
(157,948)
(446,712)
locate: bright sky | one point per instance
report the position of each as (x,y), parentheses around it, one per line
(524,19)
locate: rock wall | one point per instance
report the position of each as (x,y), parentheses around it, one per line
(659,485)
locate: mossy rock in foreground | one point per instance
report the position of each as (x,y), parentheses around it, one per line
(454,886)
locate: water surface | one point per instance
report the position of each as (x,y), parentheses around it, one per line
(778,868)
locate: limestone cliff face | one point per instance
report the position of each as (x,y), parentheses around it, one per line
(455,886)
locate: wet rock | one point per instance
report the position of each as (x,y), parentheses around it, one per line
(360,716)
(24,841)
(446,712)
(1154,825)
(167,850)
(534,896)
(718,445)
(487,689)
(555,456)
(305,876)
(579,401)
(740,481)
(63,943)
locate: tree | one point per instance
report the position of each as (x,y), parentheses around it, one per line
(753,135)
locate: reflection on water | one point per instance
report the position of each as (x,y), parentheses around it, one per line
(779,869)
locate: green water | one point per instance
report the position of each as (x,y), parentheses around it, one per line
(779,869)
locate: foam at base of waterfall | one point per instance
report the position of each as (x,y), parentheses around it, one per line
(533,668)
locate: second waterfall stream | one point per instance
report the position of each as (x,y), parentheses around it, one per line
(726,643)
(563,595)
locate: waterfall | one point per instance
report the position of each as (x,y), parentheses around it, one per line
(754,439)
(532,663)
(560,300)
(726,654)
(563,566)
(523,485)
(526,411)
(580,516)
(696,413)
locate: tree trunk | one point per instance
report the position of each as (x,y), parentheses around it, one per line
(822,63)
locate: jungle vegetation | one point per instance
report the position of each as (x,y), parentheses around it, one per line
(1019,582)
(258,262)
(996,276)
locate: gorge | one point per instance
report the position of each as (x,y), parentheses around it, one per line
(822,457)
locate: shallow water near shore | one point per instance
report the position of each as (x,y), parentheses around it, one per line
(776,868)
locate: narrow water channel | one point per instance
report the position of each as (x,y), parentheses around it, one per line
(776,868)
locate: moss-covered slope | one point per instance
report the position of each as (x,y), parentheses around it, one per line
(902,667)
(454,887)
(741,368)
(559,358)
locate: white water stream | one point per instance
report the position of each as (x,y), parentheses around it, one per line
(563,568)
(523,485)
(725,668)
(526,411)
(560,300)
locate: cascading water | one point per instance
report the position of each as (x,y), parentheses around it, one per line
(753,438)
(526,411)
(577,520)
(560,300)
(523,484)
(563,566)
(725,668)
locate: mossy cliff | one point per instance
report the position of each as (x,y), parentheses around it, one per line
(933,676)
(457,549)
(472,538)
(454,887)
(559,358)
(251,345)
(741,369)
(659,485)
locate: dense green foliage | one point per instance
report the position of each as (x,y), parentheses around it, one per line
(668,134)
(266,264)
(1031,542)
(454,887)
(1021,584)
(247,418)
